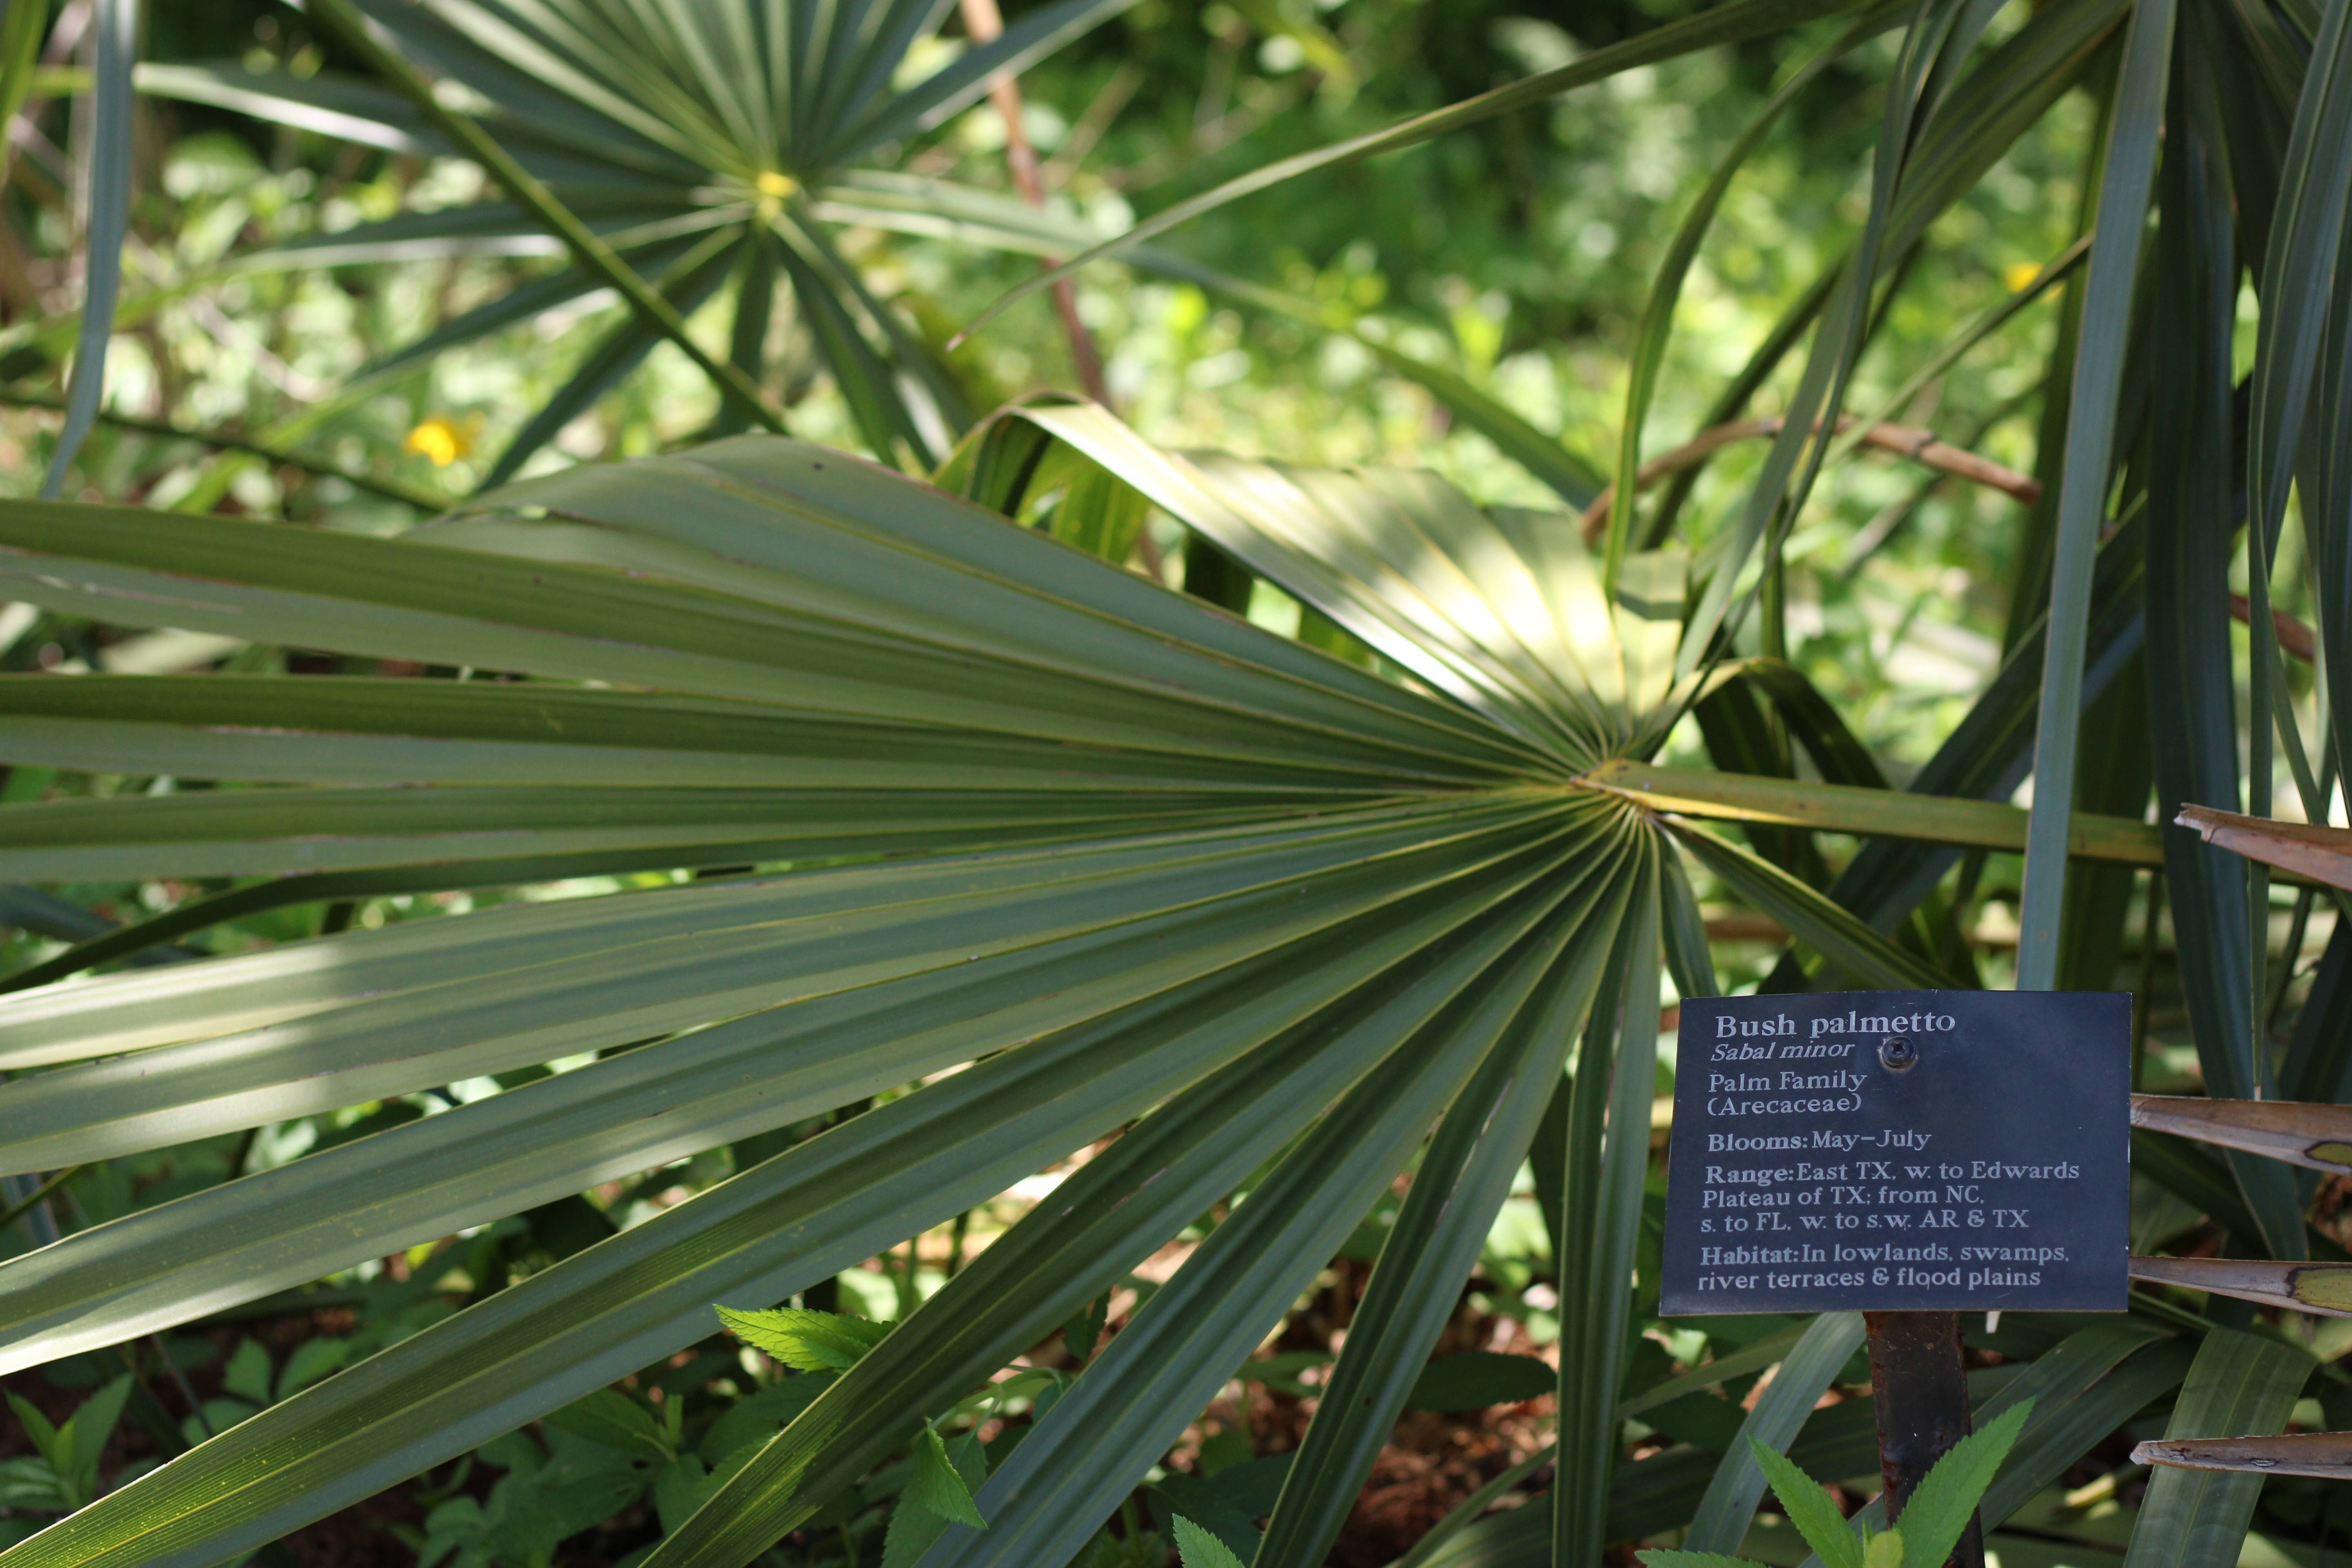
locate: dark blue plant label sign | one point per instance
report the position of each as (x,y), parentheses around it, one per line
(1900,1151)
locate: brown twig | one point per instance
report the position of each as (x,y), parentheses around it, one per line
(2294,640)
(984,23)
(1903,440)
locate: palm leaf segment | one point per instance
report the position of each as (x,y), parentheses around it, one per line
(710,145)
(1126,856)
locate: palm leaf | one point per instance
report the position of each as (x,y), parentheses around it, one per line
(2240,1386)
(1419,891)
(1774,1420)
(615,130)
(115,25)
(2126,180)
(1608,1148)
(2212,896)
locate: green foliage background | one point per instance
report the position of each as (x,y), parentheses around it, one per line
(1507,263)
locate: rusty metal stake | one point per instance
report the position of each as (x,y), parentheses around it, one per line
(1919,1388)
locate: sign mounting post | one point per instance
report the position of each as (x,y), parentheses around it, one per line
(1912,1155)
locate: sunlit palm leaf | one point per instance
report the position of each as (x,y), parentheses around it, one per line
(1246,842)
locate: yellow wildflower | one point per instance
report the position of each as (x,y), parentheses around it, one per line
(441,438)
(2019,275)
(773,186)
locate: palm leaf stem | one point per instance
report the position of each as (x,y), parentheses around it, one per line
(1843,808)
(983,23)
(1903,440)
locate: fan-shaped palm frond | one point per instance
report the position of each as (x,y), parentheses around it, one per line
(1113,853)
(711,147)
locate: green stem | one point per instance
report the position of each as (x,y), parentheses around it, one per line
(956,1236)
(25,1204)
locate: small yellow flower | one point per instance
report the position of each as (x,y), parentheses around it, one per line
(441,438)
(773,186)
(2019,275)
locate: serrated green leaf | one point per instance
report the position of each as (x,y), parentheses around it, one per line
(1939,1509)
(1198,1548)
(613,1419)
(937,1487)
(247,1373)
(804,1340)
(1817,1518)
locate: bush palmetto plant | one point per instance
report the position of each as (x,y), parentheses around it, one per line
(1057,857)
(709,148)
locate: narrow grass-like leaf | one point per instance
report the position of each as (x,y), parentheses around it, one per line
(1857,951)
(1773,1420)
(114,25)
(2298,270)
(2193,415)
(2240,1386)
(2091,441)
(1666,285)
(21,29)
